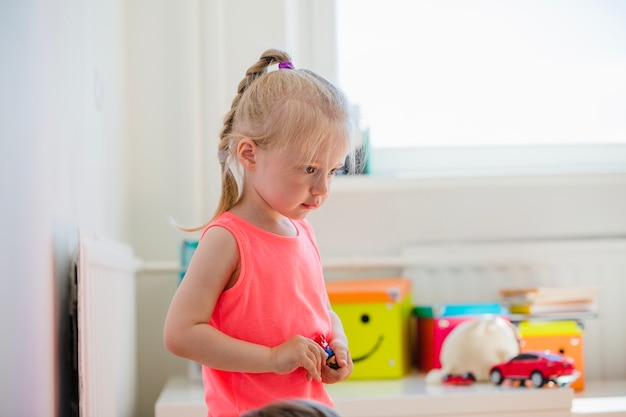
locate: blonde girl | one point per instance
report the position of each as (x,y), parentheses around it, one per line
(253,299)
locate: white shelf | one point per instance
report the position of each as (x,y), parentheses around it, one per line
(410,396)
(181,397)
(601,399)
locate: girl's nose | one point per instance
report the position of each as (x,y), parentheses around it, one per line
(321,185)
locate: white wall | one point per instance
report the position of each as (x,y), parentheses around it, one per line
(384,215)
(62,165)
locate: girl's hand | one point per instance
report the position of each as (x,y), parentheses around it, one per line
(299,352)
(329,375)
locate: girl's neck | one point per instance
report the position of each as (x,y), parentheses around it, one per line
(277,224)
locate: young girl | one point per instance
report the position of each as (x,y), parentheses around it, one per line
(253,300)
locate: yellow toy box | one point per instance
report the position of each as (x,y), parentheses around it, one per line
(563,337)
(376,318)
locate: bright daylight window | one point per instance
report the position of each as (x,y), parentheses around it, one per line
(487,86)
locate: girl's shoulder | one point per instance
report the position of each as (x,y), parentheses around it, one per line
(224,220)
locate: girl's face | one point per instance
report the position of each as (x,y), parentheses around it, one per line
(289,185)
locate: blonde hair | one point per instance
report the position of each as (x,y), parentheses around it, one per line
(275,108)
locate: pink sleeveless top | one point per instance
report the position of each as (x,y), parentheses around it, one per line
(280,293)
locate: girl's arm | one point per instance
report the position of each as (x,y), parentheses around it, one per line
(339,344)
(187,333)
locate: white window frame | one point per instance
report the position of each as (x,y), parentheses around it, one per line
(497,160)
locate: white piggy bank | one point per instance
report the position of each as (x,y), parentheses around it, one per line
(474,347)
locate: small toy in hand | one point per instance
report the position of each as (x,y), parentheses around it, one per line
(331,361)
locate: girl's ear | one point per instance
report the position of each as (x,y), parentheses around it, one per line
(247,153)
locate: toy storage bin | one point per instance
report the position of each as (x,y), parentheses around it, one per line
(435,322)
(564,336)
(375,314)
(187,249)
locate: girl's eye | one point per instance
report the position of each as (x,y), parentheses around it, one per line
(309,170)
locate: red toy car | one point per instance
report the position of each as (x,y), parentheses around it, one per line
(537,367)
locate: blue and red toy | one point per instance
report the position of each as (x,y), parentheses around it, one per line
(331,360)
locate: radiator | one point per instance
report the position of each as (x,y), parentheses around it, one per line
(473,272)
(106,327)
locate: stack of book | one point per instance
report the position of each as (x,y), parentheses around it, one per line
(546,301)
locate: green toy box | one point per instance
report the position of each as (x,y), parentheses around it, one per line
(376,318)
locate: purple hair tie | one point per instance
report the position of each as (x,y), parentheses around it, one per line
(286,65)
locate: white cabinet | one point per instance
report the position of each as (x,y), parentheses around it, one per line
(181,397)
(411,397)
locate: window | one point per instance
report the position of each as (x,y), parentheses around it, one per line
(487,86)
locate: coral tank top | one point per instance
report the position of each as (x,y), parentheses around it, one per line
(280,293)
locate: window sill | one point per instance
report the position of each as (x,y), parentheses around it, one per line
(363,184)
(496,161)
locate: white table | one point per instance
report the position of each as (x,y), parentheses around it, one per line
(409,396)
(181,397)
(601,399)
